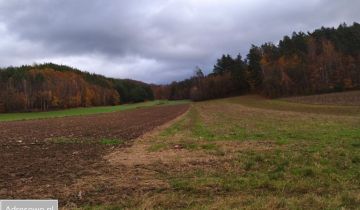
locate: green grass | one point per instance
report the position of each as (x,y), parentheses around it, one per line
(106,141)
(157,147)
(283,105)
(84,111)
(266,154)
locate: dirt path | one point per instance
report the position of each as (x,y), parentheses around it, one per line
(134,172)
(139,154)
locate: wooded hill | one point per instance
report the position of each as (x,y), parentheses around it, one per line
(50,86)
(326,60)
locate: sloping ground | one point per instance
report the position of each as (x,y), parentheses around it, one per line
(237,153)
(349,98)
(43,158)
(225,154)
(255,101)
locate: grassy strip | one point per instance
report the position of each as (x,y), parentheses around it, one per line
(283,105)
(84,111)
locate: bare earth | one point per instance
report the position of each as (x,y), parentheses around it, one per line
(51,158)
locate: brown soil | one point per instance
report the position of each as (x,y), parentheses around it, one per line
(50,158)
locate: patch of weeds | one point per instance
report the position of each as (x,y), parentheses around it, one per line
(209,147)
(264,183)
(356,144)
(282,141)
(350,134)
(175,128)
(282,166)
(197,184)
(251,160)
(249,164)
(181,184)
(157,147)
(237,133)
(314,148)
(233,182)
(213,149)
(258,135)
(216,152)
(199,130)
(111,141)
(276,175)
(304,172)
(189,145)
(355,160)
(350,201)
(259,158)
(278,172)
(343,164)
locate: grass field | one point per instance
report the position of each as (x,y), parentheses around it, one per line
(351,98)
(249,153)
(84,111)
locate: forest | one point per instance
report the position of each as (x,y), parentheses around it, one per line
(322,61)
(49,87)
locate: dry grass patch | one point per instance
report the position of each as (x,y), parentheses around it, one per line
(349,98)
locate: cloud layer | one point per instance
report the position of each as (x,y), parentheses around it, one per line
(155,41)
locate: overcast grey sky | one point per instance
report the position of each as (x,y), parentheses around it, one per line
(153,40)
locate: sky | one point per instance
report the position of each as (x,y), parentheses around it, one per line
(155,41)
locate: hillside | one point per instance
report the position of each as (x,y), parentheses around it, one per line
(50,86)
(322,61)
(349,98)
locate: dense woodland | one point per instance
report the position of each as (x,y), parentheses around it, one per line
(50,86)
(326,60)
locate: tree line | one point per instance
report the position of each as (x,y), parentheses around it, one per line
(50,86)
(325,60)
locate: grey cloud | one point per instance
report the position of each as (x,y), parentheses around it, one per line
(154,41)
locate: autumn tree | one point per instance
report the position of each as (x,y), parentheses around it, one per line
(255,73)
(49,86)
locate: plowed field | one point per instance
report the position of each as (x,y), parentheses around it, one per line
(42,158)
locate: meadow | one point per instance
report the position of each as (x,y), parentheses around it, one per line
(249,152)
(351,98)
